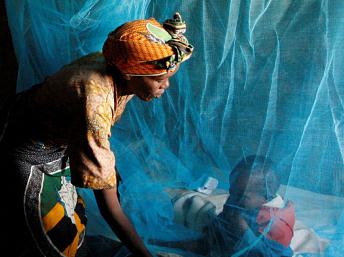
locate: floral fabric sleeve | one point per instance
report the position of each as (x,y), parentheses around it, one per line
(91,160)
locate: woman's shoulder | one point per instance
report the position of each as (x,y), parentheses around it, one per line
(89,68)
(91,63)
(94,58)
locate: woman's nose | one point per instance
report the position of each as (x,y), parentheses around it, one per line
(166,85)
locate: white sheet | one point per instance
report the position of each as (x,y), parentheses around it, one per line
(314,212)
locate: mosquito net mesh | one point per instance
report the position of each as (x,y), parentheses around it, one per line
(265,79)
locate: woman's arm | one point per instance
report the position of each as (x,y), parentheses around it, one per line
(112,212)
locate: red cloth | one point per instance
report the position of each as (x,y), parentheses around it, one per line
(283,220)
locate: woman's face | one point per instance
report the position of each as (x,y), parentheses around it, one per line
(149,87)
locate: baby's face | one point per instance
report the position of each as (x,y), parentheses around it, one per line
(247,194)
(252,200)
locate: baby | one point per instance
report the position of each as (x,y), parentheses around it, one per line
(255,220)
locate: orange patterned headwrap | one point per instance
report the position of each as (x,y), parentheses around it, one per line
(146,48)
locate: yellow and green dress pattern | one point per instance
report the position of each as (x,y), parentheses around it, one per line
(59,208)
(62,210)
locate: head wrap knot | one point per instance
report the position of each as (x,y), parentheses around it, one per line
(146,48)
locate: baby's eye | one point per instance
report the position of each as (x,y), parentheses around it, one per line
(245,197)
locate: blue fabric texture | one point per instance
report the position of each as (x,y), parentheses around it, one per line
(266,77)
(251,245)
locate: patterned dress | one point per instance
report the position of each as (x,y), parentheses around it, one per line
(56,138)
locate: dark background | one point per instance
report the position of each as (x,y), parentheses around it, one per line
(8,62)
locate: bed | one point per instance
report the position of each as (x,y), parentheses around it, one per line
(313,228)
(316,215)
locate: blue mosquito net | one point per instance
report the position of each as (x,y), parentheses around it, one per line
(266,78)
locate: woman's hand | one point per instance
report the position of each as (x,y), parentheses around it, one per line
(112,212)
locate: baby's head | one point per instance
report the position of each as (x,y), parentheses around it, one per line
(253,182)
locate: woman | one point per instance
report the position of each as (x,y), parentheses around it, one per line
(56,138)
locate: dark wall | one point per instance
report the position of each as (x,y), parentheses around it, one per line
(8,62)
